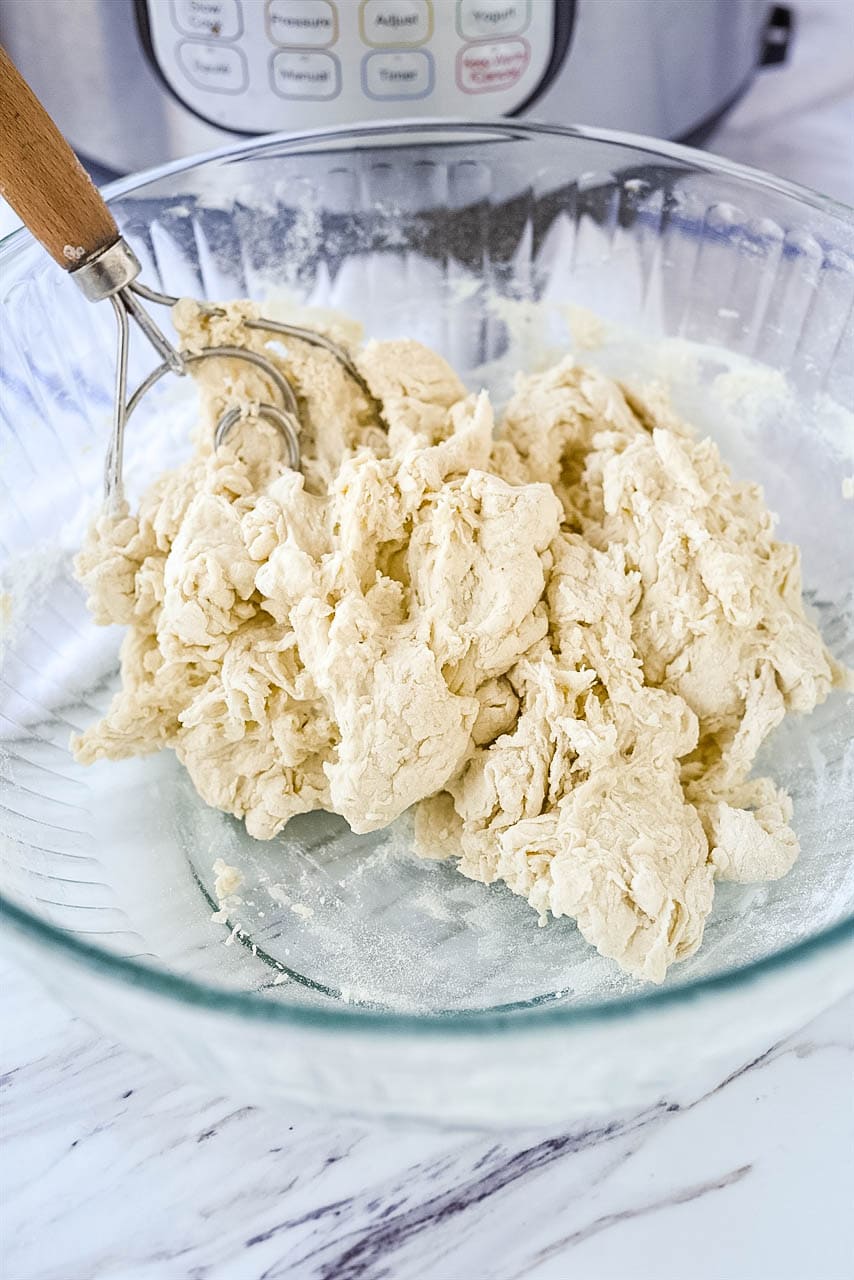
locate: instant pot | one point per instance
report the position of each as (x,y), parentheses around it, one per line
(133,83)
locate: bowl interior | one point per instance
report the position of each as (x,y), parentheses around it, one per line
(488,244)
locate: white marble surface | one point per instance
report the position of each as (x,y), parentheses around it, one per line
(114,1171)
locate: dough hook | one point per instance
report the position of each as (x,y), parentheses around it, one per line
(53,195)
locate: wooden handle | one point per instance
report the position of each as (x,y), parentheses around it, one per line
(44,181)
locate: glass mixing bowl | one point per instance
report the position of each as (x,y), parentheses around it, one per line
(361,979)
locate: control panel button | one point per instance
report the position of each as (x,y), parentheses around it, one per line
(396,22)
(208,18)
(217,67)
(488,68)
(306,75)
(302,22)
(397,75)
(480,19)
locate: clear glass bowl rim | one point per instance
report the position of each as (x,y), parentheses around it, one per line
(247,1005)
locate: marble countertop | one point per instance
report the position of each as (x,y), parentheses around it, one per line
(114,1171)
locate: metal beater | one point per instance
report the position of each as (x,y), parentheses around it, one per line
(53,195)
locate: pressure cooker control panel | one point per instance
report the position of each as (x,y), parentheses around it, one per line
(257,66)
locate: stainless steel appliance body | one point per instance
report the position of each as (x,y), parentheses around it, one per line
(136,82)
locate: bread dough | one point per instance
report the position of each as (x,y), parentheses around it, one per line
(228,880)
(564,645)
